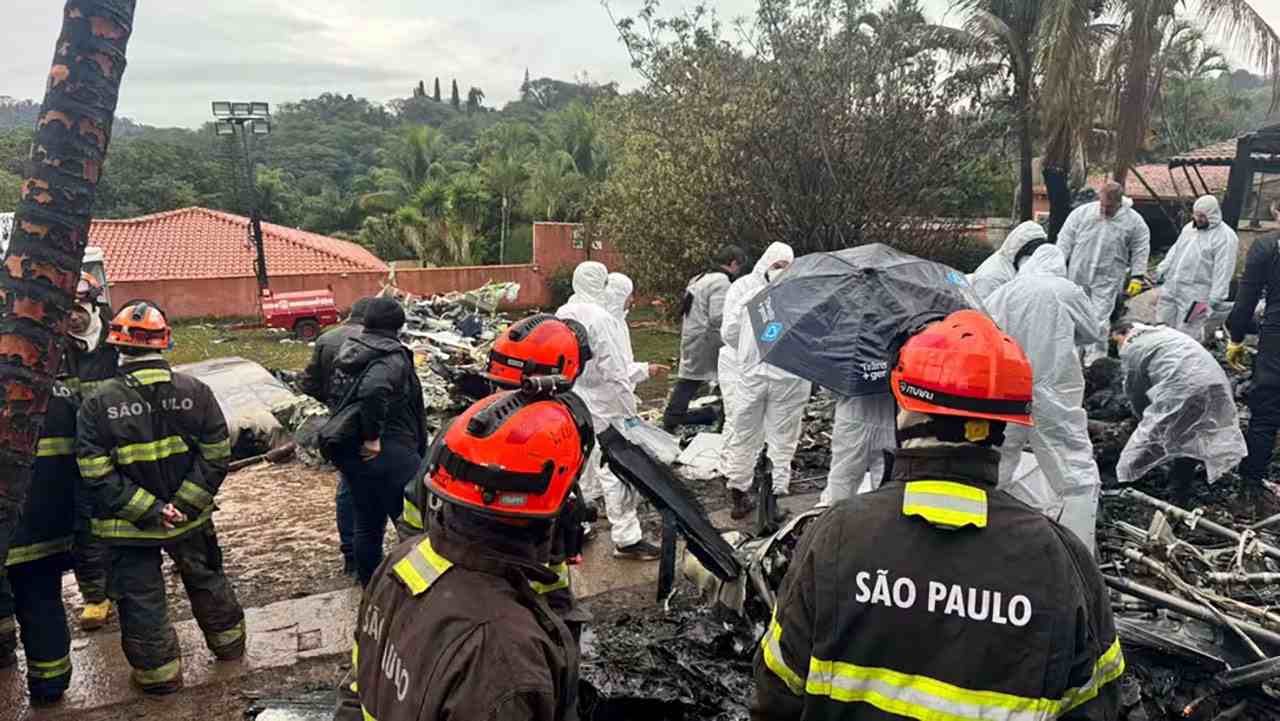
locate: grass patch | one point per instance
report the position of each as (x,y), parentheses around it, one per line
(196,341)
(654,340)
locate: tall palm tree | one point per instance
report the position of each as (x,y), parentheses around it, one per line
(52,228)
(1144,23)
(420,155)
(1013,29)
(553,182)
(503,170)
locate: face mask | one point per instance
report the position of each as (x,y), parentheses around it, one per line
(1200,225)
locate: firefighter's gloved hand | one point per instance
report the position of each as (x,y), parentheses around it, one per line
(1138,285)
(1236,355)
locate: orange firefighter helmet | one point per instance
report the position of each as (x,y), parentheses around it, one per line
(964,366)
(540,345)
(140,324)
(515,454)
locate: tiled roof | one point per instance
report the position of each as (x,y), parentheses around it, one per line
(1169,185)
(203,243)
(1224,153)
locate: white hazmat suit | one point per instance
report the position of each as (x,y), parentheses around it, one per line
(617,292)
(769,408)
(1185,401)
(1100,252)
(1050,316)
(605,386)
(863,429)
(999,268)
(1197,269)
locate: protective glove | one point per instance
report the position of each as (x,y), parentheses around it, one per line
(1138,285)
(1236,355)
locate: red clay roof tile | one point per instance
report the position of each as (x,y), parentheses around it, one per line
(203,243)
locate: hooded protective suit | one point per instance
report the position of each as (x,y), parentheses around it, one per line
(605,386)
(1185,401)
(863,429)
(769,402)
(999,268)
(1198,269)
(1050,317)
(1100,251)
(617,292)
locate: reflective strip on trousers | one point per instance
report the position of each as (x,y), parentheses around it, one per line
(223,639)
(55,446)
(193,494)
(411,516)
(49,669)
(421,567)
(922,697)
(151,376)
(158,675)
(355,666)
(151,451)
(137,506)
(367,716)
(562,579)
(946,504)
(771,650)
(37,551)
(109,528)
(216,451)
(95,466)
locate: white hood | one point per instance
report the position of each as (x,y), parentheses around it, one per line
(1019,237)
(617,292)
(1208,205)
(1046,260)
(590,279)
(774,253)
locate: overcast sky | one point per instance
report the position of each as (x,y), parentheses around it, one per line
(186,53)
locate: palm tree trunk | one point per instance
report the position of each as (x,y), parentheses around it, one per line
(52,228)
(1026,185)
(1144,40)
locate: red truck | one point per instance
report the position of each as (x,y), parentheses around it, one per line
(304,312)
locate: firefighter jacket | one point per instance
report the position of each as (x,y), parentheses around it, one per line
(147,438)
(939,597)
(87,371)
(48,526)
(449,630)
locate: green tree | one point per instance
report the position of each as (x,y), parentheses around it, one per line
(454,100)
(554,188)
(475,100)
(10,191)
(417,156)
(436,95)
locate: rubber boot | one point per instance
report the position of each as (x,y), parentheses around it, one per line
(95,615)
(742,504)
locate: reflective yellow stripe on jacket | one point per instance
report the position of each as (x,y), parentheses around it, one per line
(117,528)
(55,446)
(194,495)
(150,451)
(411,516)
(562,579)
(922,697)
(138,505)
(95,466)
(216,451)
(37,551)
(946,504)
(421,567)
(152,376)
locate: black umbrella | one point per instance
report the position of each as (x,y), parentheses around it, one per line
(834,318)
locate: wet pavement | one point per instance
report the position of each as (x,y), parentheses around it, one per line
(281,635)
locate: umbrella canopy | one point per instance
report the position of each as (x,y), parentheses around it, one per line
(834,318)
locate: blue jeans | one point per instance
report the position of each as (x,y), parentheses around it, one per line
(377,494)
(346,515)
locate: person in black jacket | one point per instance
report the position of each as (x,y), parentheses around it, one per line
(980,607)
(1261,279)
(320,380)
(153,450)
(392,428)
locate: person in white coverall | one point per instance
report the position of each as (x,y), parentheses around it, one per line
(863,429)
(1002,266)
(1102,242)
(1050,317)
(605,386)
(770,402)
(1197,269)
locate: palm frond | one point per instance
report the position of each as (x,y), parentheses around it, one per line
(1238,23)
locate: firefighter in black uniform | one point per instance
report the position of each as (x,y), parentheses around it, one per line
(450,626)
(538,346)
(938,596)
(1261,279)
(153,449)
(92,361)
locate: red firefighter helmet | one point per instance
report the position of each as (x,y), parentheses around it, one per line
(513,454)
(964,366)
(540,345)
(88,290)
(140,324)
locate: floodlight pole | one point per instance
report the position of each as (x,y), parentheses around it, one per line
(245,124)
